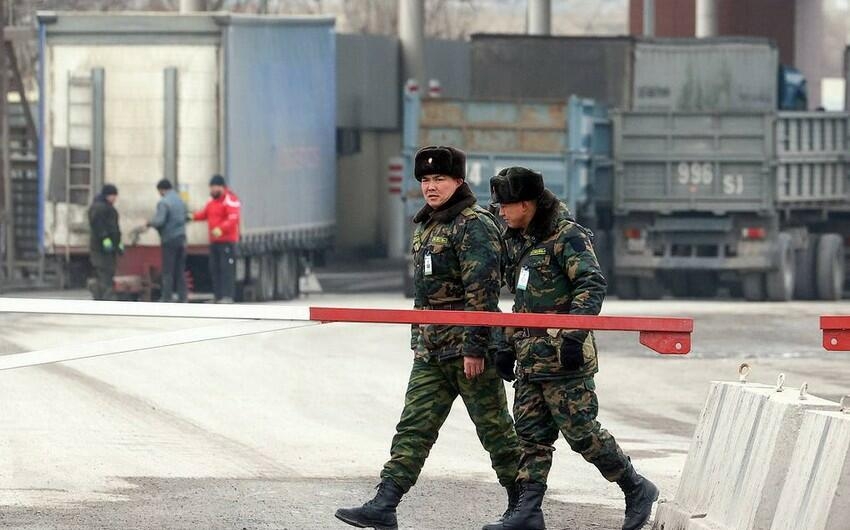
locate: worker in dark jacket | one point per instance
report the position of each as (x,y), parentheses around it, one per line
(170,222)
(105,242)
(222,213)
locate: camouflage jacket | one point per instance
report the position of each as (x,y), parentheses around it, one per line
(457,259)
(552,269)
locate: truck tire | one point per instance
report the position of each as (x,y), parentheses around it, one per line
(752,285)
(265,288)
(805,281)
(780,282)
(830,267)
(286,276)
(650,288)
(627,287)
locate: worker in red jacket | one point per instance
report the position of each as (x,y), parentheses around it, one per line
(222,213)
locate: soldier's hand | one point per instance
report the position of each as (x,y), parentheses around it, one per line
(572,351)
(473,367)
(505,360)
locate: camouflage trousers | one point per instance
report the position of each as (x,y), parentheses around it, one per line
(543,408)
(431,391)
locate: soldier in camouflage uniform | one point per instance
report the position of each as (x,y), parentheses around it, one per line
(457,255)
(552,268)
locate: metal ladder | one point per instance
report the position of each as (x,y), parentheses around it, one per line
(79,184)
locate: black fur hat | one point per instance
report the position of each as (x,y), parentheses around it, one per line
(440,160)
(515,184)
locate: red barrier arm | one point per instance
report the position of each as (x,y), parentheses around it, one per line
(836,332)
(663,335)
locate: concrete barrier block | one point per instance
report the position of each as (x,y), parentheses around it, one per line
(738,458)
(816,493)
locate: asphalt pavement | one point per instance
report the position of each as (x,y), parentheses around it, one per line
(278,430)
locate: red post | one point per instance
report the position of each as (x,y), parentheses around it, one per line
(836,332)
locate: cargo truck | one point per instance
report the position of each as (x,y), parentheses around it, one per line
(129,99)
(731,191)
(712,182)
(568,141)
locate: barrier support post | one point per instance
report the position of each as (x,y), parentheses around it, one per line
(836,332)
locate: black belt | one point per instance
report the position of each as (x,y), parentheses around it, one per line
(536,332)
(450,306)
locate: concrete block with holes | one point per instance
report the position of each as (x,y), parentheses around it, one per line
(816,493)
(739,458)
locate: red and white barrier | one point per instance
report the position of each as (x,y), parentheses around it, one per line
(664,335)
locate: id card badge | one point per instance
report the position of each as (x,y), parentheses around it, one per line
(429,267)
(522,282)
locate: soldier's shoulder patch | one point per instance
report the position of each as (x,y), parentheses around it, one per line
(577,243)
(538,252)
(439,240)
(469,212)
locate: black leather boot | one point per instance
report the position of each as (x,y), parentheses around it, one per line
(379,513)
(513,496)
(640,494)
(527,515)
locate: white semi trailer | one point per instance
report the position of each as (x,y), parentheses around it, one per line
(129,99)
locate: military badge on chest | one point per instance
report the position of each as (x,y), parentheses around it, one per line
(534,258)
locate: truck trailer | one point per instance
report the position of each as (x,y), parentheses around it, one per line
(129,99)
(569,141)
(715,185)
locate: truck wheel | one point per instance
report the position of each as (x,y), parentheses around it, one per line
(780,282)
(830,267)
(286,280)
(265,278)
(627,287)
(752,285)
(805,282)
(650,288)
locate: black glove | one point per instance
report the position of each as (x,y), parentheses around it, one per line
(572,350)
(505,360)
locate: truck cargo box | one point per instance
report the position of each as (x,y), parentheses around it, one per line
(568,141)
(543,67)
(726,162)
(723,73)
(129,99)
